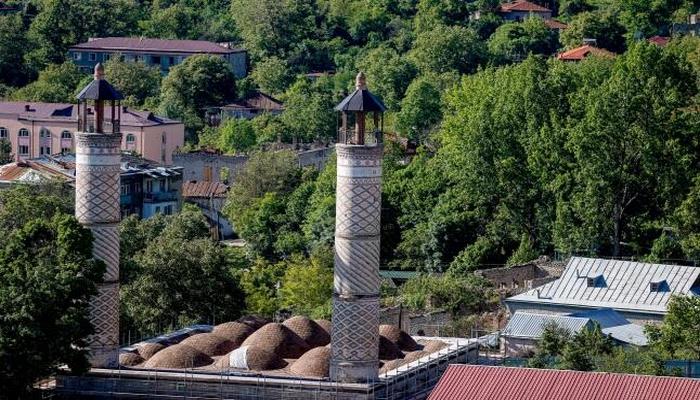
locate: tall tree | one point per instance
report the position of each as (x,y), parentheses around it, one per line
(448,49)
(13,45)
(56,84)
(47,276)
(137,81)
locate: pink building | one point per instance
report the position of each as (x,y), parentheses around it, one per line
(36,129)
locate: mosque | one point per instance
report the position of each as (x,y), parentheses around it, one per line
(350,357)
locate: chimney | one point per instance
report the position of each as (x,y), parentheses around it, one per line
(355,322)
(27,108)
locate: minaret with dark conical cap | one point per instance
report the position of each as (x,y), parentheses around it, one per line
(355,322)
(98,144)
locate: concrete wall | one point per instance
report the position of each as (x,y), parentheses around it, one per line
(518,347)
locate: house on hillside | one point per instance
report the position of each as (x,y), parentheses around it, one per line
(210,198)
(147,187)
(638,291)
(519,10)
(587,50)
(37,129)
(481,382)
(519,338)
(160,53)
(256,103)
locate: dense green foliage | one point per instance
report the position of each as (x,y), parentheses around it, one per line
(590,350)
(47,276)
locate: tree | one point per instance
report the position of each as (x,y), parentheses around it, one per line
(56,84)
(515,40)
(272,75)
(261,283)
(457,294)
(308,113)
(200,81)
(421,109)
(181,282)
(64,23)
(5,152)
(137,81)
(307,285)
(678,335)
(178,21)
(26,203)
(13,45)
(601,26)
(48,262)
(235,136)
(388,74)
(446,49)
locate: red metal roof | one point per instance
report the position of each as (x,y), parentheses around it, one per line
(582,52)
(149,45)
(523,5)
(659,40)
(204,189)
(554,24)
(480,382)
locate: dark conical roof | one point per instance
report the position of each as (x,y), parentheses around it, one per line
(361,99)
(99,89)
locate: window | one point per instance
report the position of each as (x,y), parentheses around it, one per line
(77,56)
(171,60)
(23,150)
(163,138)
(65,150)
(157,209)
(126,189)
(162,185)
(23,133)
(139,58)
(155,60)
(130,138)
(66,135)
(149,186)
(3,133)
(107,57)
(595,281)
(658,286)
(45,133)
(92,57)
(168,210)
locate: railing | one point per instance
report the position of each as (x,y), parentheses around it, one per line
(156,197)
(347,136)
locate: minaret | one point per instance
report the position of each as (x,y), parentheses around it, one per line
(355,322)
(98,144)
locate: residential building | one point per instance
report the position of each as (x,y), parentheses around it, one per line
(36,129)
(161,53)
(579,53)
(638,291)
(661,41)
(480,382)
(212,166)
(256,103)
(520,10)
(147,188)
(210,198)
(525,329)
(691,27)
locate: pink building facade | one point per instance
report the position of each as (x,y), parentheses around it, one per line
(36,129)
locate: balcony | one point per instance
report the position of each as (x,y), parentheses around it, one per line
(372,137)
(161,197)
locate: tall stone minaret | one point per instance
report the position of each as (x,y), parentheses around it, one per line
(355,322)
(98,144)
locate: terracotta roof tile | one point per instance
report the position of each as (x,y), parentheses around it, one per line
(523,5)
(117,44)
(554,24)
(257,101)
(479,382)
(582,52)
(659,40)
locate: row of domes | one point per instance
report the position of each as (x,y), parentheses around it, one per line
(299,343)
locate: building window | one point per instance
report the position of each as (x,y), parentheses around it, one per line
(155,60)
(157,209)
(139,58)
(107,57)
(65,150)
(162,185)
(171,60)
(168,210)
(92,57)
(23,150)
(77,56)
(149,186)
(45,133)
(23,133)
(3,133)
(126,189)
(130,138)
(163,138)
(66,135)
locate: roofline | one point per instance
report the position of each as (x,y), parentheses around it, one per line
(584,306)
(133,50)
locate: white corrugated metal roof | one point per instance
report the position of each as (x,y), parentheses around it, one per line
(531,326)
(625,285)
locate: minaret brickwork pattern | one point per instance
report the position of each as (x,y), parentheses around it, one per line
(355,322)
(97,208)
